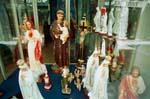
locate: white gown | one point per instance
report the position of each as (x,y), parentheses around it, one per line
(34,64)
(99,90)
(92,65)
(111,22)
(28,86)
(117,25)
(103,48)
(97,20)
(124,21)
(103,24)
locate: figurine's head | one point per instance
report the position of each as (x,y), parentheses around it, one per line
(29,24)
(103,11)
(135,72)
(97,8)
(60,14)
(21,64)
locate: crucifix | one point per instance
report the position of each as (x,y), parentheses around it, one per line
(83,25)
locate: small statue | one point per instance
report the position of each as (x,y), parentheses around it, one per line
(65,33)
(97,20)
(111,22)
(82,71)
(64,85)
(84,24)
(77,73)
(78,84)
(103,21)
(64,81)
(47,82)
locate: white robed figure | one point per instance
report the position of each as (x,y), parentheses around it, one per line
(111,22)
(103,48)
(32,44)
(34,41)
(99,90)
(97,20)
(124,21)
(92,65)
(103,21)
(27,83)
(121,21)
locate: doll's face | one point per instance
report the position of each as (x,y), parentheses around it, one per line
(135,73)
(29,26)
(60,16)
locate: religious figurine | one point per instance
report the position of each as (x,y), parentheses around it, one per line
(97,19)
(99,90)
(92,65)
(110,22)
(103,48)
(84,24)
(103,21)
(124,21)
(121,57)
(78,83)
(83,70)
(80,62)
(121,21)
(131,85)
(23,26)
(27,83)
(61,54)
(110,50)
(77,73)
(117,25)
(115,71)
(65,33)
(34,40)
(47,82)
(64,84)
(64,81)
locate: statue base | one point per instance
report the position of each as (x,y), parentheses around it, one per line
(56,69)
(47,88)
(66,92)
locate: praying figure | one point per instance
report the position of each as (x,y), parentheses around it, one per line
(131,85)
(97,20)
(99,90)
(27,83)
(92,65)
